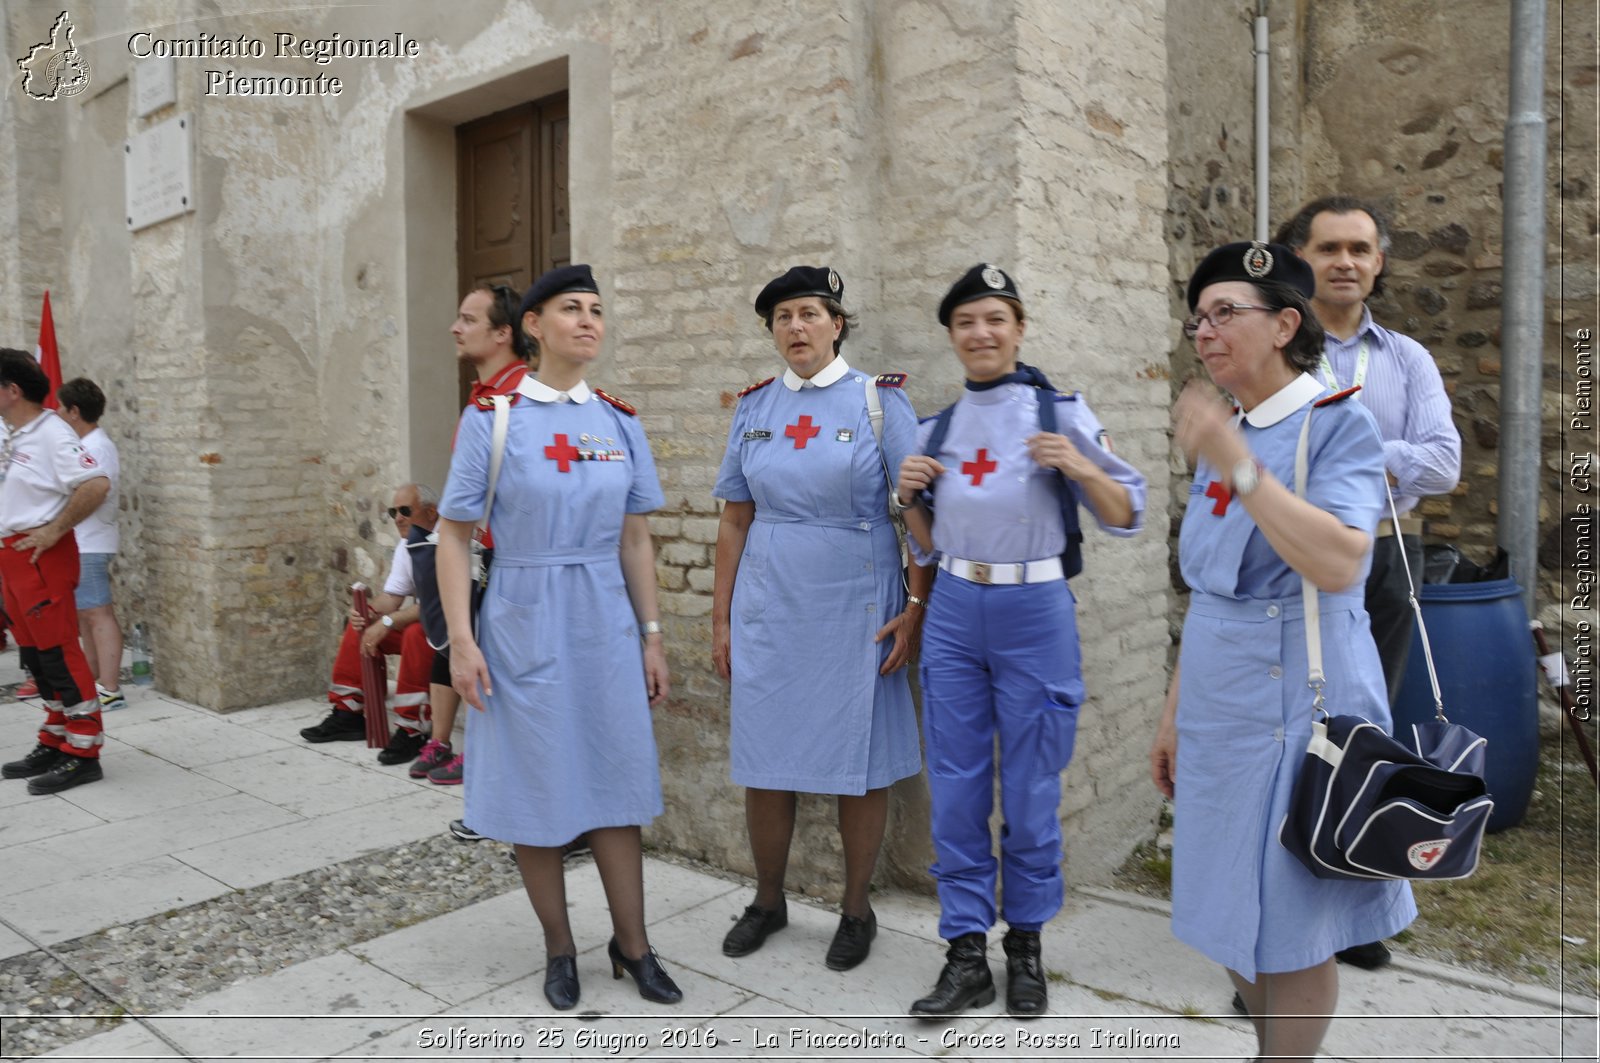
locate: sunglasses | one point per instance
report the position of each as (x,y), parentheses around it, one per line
(404,511)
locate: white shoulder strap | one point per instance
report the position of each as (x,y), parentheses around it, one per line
(497,451)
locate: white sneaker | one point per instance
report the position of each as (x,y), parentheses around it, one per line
(112,700)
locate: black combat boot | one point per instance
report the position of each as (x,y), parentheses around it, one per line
(1026,996)
(964,983)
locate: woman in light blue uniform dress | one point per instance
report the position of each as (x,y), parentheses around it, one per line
(562,739)
(1238,713)
(810,621)
(1004,469)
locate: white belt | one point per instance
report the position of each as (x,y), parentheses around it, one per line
(989,573)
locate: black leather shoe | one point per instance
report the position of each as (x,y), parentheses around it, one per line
(654,983)
(1368,957)
(402,748)
(37,762)
(68,772)
(561,982)
(852,941)
(753,927)
(337,726)
(1238,1005)
(964,983)
(1026,994)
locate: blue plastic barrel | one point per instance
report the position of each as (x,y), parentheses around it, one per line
(1484,655)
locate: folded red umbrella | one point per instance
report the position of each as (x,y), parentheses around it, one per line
(374,679)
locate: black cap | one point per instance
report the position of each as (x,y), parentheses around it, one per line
(798,283)
(1252,262)
(979,282)
(561,279)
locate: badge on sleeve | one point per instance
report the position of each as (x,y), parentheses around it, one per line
(757,433)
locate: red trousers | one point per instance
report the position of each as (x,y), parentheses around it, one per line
(410,701)
(43,615)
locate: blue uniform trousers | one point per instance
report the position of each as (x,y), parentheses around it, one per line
(998,660)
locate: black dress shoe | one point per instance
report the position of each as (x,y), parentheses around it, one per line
(1026,995)
(964,983)
(1368,957)
(561,982)
(1238,1005)
(852,941)
(402,748)
(753,927)
(654,983)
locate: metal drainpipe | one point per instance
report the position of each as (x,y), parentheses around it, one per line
(1263,123)
(1522,324)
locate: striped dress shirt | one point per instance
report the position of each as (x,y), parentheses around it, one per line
(1404,392)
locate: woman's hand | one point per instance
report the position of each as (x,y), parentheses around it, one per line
(1201,425)
(722,649)
(657,680)
(467,671)
(917,473)
(907,631)
(1164,758)
(1055,451)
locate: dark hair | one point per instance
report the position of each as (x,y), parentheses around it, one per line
(85,396)
(503,303)
(22,369)
(1304,349)
(835,310)
(1296,232)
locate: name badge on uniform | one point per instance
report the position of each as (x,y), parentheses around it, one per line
(757,433)
(844,435)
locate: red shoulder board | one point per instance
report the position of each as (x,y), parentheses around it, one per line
(486,402)
(618,403)
(757,386)
(891,380)
(1338,396)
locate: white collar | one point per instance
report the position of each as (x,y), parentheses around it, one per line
(541,392)
(834,370)
(1287,399)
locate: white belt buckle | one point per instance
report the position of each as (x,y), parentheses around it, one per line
(980,572)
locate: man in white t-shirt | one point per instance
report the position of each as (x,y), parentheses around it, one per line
(51,483)
(82,405)
(396,631)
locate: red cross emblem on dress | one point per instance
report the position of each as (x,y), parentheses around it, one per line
(981,466)
(802,432)
(1222,495)
(562,453)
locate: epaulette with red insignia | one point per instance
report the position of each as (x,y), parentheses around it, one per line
(757,386)
(891,380)
(486,402)
(618,403)
(1338,396)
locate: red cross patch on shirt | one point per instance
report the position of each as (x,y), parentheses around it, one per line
(1222,496)
(802,432)
(981,466)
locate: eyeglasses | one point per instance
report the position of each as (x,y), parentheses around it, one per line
(1217,315)
(404,511)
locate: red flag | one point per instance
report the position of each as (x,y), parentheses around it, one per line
(47,353)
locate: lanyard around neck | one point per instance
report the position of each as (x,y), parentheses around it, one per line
(1362,358)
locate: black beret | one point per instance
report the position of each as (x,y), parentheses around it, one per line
(799,282)
(561,279)
(1251,262)
(979,282)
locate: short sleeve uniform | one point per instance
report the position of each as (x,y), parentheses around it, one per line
(566,744)
(1244,708)
(97,533)
(819,576)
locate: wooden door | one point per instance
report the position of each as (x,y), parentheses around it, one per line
(513,214)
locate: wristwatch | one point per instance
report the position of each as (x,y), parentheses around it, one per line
(386,620)
(1246,476)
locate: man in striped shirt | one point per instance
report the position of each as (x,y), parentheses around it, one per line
(1345,240)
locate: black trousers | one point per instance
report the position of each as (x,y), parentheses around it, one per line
(1389,605)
